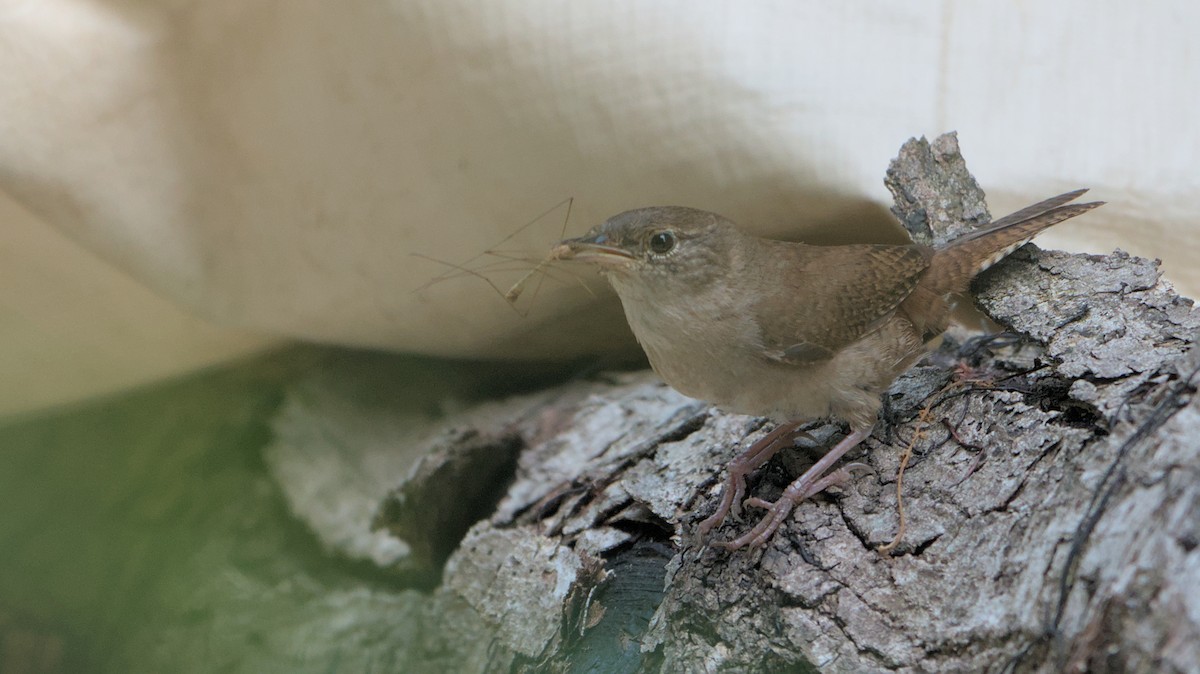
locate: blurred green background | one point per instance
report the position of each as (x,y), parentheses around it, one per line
(144,533)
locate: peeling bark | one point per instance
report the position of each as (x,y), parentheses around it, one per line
(1052,499)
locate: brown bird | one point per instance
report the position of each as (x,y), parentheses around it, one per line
(786,330)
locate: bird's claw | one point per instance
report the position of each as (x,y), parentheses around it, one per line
(756,502)
(777,512)
(731,497)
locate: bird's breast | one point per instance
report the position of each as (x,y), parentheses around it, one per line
(711,350)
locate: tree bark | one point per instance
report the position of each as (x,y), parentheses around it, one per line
(1051,500)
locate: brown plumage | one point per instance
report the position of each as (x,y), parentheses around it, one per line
(788,330)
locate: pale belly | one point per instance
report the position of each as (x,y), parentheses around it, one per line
(848,386)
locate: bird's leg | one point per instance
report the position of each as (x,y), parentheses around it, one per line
(735,479)
(811,482)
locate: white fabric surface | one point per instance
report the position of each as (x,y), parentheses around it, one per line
(271,166)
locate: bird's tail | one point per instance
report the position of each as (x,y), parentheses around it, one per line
(954,264)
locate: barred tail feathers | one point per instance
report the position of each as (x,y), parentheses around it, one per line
(956,263)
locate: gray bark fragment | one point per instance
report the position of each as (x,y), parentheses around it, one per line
(517,581)
(936,197)
(1052,500)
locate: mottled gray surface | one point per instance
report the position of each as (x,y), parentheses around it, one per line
(936,197)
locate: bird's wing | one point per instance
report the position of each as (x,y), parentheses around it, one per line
(844,291)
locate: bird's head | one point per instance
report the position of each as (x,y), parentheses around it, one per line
(658,251)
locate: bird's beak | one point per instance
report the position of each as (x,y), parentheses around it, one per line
(592,248)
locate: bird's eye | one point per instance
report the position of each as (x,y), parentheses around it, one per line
(662,243)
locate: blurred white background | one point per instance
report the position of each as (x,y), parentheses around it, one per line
(185,182)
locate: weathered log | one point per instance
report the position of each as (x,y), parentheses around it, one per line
(1052,499)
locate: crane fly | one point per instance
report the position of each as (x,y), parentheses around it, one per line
(501,261)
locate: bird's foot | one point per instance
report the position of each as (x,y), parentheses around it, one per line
(735,488)
(778,510)
(812,482)
(735,479)
(840,477)
(762,532)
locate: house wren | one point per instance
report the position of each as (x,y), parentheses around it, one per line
(788,330)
